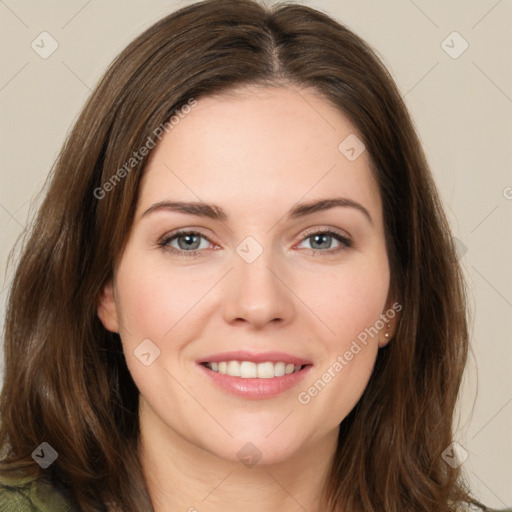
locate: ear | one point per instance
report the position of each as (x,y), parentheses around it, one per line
(390,316)
(107,308)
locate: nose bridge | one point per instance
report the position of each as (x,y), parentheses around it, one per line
(255,290)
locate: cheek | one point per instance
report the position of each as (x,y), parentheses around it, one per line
(350,300)
(152,302)
(351,307)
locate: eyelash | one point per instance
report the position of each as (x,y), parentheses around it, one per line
(162,243)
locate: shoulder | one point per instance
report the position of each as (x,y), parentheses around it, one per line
(22,494)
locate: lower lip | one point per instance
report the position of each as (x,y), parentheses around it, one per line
(256,388)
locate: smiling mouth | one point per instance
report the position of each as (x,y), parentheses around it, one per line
(251,370)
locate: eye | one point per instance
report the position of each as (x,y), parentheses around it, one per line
(321,241)
(188,243)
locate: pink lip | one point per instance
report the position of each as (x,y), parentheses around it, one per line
(255,388)
(262,357)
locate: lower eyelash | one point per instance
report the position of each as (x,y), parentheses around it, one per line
(345,243)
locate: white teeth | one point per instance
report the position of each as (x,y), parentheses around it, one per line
(279,369)
(248,370)
(233,368)
(251,370)
(266,370)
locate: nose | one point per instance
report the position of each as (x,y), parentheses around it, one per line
(257,294)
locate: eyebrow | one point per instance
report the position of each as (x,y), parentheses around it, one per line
(212,211)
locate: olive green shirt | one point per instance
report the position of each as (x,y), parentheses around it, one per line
(27,495)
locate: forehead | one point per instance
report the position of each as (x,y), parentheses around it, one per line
(257,148)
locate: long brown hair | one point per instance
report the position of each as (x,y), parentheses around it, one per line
(66,381)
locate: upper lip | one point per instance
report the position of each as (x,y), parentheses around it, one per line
(255,357)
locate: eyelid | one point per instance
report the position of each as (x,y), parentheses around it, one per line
(344,240)
(324,229)
(167,237)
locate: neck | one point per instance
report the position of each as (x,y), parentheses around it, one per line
(183,476)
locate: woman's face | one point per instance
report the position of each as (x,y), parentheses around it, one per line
(262,279)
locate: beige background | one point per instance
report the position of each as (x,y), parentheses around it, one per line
(462,109)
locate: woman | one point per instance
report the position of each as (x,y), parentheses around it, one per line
(240,290)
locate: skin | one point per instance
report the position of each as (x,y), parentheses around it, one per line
(256,155)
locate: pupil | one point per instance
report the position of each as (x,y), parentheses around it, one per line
(189,240)
(319,237)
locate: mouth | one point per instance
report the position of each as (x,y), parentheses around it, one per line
(254,375)
(254,365)
(252,370)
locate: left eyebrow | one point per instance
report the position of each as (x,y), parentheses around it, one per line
(215,212)
(304,209)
